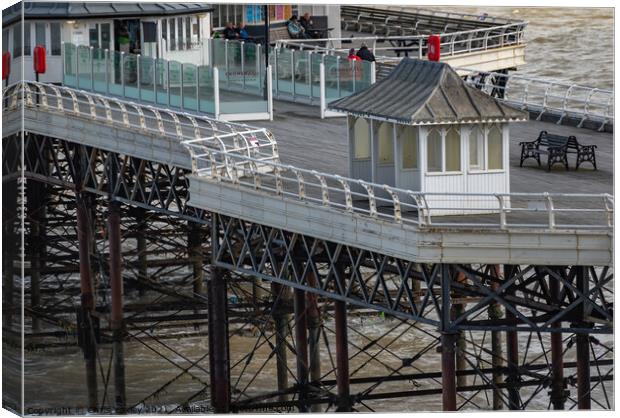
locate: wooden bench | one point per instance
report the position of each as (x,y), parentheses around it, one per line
(557,148)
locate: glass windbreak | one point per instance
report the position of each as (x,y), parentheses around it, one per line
(233,71)
(234,101)
(252,68)
(147,79)
(84,67)
(302,73)
(174,80)
(218,52)
(100,81)
(190,87)
(130,75)
(206,93)
(315,75)
(283,71)
(116,73)
(332,77)
(161,81)
(70,66)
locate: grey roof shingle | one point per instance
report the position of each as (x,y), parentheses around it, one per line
(76,10)
(421,92)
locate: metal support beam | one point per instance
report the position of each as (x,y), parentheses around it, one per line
(448,344)
(342,354)
(9,237)
(512,352)
(116,319)
(558,393)
(196,256)
(282,298)
(583,347)
(219,356)
(141,243)
(301,346)
(495,313)
(314,335)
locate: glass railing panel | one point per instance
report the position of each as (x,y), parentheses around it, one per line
(130,72)
(302,73)
(233,73)
(100,64)
(332,77)
(348,71)
(84,67)
(315,79)
(116,74)
(190,87)
(363,80)
(70,65)
(283,71)
(218,52)
(161,81)
(236,101)
(147,79)
(252,68)
(206,93)
(174,88)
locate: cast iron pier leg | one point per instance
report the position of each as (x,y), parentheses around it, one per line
(495,313)
(280,319)
(512,352)
(342,352)
(86,320)
(36,214)
(448,344)
(301,345)
(116,284)
(314,335)
(583,347)
(557,361)
(218,341)
(141,223)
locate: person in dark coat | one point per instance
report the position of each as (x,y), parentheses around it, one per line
(229,31)
(365,54)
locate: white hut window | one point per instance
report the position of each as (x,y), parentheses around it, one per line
(386,143)
(453,149)
(476,148)
(5,40)
(495,148)
(434,150)
(39,34)
(361,143)
(55,38)
(409,139)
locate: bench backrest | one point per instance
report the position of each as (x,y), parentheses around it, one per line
(552,140)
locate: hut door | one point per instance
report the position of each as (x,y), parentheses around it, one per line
(407,157)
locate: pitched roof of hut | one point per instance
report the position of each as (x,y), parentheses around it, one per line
(421,92)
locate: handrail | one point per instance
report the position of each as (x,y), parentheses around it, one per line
(546,96)
(210,133)
(244,163)
(452,43)
(381,202)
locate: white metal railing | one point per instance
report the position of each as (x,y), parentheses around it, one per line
(496,211)
(452,43)
(247,157)
(547,96)
(212,134)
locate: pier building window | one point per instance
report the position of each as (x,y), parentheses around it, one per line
(434,149)
(105,35)
(188,33)
(476,148)
(27,44)
(361,135)
(5,40)
(495,148)
(172,34)
(55,38)
(386,143)
(180,33)
(93,36)
(39,34)
(409,139)
(453,150)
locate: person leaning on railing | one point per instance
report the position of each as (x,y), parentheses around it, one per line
(365,54)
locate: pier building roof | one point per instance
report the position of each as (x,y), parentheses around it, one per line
(419,92)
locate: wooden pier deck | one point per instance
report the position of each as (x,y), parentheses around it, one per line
(306,141)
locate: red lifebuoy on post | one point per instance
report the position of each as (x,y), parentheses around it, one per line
(6,65)
(434,48)
(38,59)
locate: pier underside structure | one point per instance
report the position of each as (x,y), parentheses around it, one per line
(176,305)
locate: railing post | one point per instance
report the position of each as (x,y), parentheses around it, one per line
(550,210)
(123,72)
(293,72)
(168,80)
(338,76)
(243,64)
(216,92)
(181,81)
(420,45)
(275,61)
(258,64)
(138,77)
(309,59)
(502,212)
(323,101)
(373,72)
(107,71)
(92,69)
(269,93)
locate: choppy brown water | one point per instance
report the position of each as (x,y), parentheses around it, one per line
(574,45)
